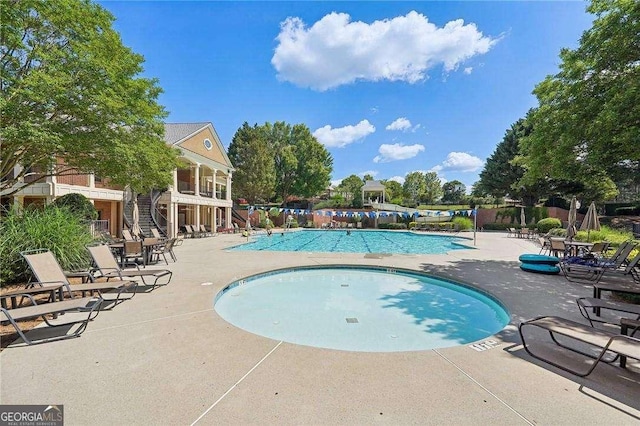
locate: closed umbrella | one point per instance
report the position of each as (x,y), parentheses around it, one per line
(573,213)
(135,226)
(523,218)
(590,220)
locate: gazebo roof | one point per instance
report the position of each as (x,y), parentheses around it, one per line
(373,185)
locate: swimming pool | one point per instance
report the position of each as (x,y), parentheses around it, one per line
(358,241)
(366,309)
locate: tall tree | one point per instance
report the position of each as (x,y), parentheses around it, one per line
(255,175)
(352,187)
(453,192)
(71,91)
(432,188)
(414,186)
(315,163)
(393,191)
(588,121)
(502,173)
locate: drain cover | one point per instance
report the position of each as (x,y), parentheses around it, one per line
(352,320)
(344,285)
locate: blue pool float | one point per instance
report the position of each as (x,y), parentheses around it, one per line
(540,268)
(539,259)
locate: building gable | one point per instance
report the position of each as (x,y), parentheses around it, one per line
(198,138)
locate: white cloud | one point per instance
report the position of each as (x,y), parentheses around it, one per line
(399,179)
(336,51)
(468,70)
(397,152)
(343,136)
(399,124)
(374,110)
(459,162)
(402,124)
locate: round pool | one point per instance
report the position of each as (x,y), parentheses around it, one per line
(365,309)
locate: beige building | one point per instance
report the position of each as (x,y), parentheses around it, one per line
(200,193)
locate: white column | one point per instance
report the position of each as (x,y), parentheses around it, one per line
(174,207)
(229,187)
(197,179)
(213,194)
(227,213)
(171,218)
(214,222)
(92,180)
(175,180)
(197,207)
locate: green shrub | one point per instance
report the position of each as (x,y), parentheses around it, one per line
(392,226)
(413,225)
(546,225)
(53,228)
(499,226)
(463,222)
(78,204)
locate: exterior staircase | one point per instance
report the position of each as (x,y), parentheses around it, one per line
(144,209)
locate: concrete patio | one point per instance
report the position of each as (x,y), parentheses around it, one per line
(166,357)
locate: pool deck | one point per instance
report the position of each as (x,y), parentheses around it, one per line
(167,358)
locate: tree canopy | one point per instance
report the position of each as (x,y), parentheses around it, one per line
(279,159)
(255,175)
(422,187)
(71,91)
(588,120)
(453,192)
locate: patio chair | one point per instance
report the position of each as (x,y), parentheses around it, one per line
(557,248)
(133,254)
(108,267)
(545,245)
(163,250)
(87,308)
(156,234)
(204,232)
(236,229)
(126,234)
(591,307)
(46,270)
(512,232)
(594,272)
(599,249)
(617,345)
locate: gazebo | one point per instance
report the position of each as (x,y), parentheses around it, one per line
(370,189)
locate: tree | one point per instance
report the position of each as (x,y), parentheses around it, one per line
(502,172)
(432,188)
(414,186)
(453,192)
(587,121)
(393,190)
(255,174)
(352,187)
(71,95)
(279,159)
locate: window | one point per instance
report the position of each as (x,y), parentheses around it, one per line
(207,144)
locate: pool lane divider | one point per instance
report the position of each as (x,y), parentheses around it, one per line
(236,383)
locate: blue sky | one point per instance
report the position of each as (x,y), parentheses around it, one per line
(388,87)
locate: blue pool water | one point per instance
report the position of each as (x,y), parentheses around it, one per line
(364,309)
(358,242)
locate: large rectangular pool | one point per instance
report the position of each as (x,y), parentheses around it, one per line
(357,241)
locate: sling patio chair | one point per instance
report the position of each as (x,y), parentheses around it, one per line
(78,311)
(126,234)
(577,272)
(610,346)
(156,234)
(46,270)
(591,308)
(163,250)
(108,268)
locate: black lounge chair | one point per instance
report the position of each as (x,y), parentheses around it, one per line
(108,267)
(87,305)
(617,345)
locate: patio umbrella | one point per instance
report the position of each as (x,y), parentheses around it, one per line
(523,218)
(573,211)
(135,226)
(590,220)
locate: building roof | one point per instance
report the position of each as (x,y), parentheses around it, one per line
(175,132)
